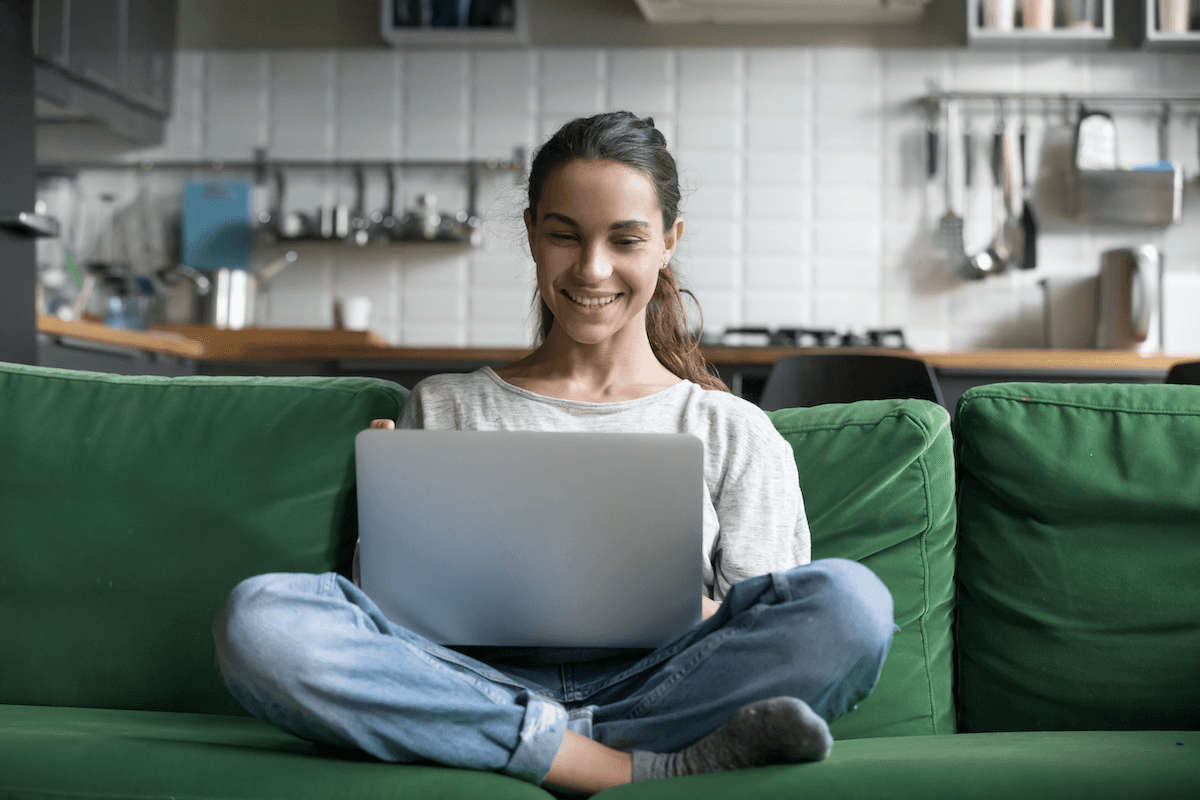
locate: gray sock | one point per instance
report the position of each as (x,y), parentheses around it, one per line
(781,730)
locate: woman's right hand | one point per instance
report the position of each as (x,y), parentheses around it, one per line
(385,424)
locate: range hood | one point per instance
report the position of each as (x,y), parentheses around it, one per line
(862,12)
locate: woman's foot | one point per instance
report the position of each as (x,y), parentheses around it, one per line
(780,730)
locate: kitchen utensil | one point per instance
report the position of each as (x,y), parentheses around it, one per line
(270,220)
(467,228)
(184,288)
(1095,141)
(384,224)
(931,159)
(277,266)
(998,255)
(292,225)
(423,222)
(223,298)
(1029,230)
(1128,308)
(359,224)
(950,230)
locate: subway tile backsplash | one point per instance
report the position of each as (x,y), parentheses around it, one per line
(807,199)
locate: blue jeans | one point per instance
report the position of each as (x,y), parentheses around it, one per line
(313,655)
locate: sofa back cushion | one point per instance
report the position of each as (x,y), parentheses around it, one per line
(878,484)
(130,506)
(1079,557)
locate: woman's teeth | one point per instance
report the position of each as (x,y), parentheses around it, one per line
(590,301)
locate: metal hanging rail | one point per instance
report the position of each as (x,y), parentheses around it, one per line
(934,100)
(261,165)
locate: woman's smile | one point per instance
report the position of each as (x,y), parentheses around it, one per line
(590,301)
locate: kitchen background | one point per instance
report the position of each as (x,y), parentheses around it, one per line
(808,202)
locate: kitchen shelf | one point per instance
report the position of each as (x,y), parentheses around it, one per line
(1165,40)
(261,167)
(1059,37)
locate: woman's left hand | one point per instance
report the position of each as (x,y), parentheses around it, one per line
(708,607)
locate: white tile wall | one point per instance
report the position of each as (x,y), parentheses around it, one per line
(806,199)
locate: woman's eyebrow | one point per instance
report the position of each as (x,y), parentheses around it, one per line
(625,223)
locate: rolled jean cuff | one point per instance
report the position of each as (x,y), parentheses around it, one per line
(542,731)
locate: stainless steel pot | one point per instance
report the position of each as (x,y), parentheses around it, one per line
(223,298)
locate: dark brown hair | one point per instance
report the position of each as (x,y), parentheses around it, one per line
(624,138)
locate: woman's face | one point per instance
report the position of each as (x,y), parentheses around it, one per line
(599,244)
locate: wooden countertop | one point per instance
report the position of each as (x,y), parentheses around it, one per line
(313,344)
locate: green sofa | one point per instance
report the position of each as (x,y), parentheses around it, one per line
(1044,562)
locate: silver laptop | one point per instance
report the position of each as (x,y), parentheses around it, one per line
(533,539)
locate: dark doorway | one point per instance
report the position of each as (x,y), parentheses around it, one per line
(18,182)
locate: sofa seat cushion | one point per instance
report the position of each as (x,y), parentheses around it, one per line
(1079,551)
(131,506)
(878,484)
(1067,765)
(76,753)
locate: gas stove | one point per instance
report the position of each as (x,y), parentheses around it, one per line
(810,337)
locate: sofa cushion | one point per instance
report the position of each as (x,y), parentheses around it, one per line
(878,484)
(1071,765)
(130,506)
(150,755)
(1079,551)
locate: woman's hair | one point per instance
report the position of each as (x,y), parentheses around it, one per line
(621,137)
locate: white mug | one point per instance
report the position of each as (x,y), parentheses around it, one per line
(354,313)
(999,14)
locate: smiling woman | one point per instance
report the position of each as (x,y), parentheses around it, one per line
(780,645)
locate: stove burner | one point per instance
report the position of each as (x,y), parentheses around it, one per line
(824,337)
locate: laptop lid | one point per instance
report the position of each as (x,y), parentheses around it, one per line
(541,539)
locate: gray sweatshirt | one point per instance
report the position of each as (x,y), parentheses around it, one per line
(754,519)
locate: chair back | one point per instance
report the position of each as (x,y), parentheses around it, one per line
(1187,372)
(814,379)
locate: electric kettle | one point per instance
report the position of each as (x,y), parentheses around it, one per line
(1129,300)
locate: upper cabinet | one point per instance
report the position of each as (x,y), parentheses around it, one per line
(1040,23)
(106,60)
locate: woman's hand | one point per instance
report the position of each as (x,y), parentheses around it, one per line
(386,424)
(708,607)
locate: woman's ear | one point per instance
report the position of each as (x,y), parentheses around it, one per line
(671,240)
(529,229)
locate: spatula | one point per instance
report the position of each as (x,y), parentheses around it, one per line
(950,229)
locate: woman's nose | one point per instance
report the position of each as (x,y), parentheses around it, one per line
(594,264)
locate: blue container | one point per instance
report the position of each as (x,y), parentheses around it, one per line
(216,225)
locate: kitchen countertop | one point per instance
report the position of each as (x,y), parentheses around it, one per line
(313,344)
